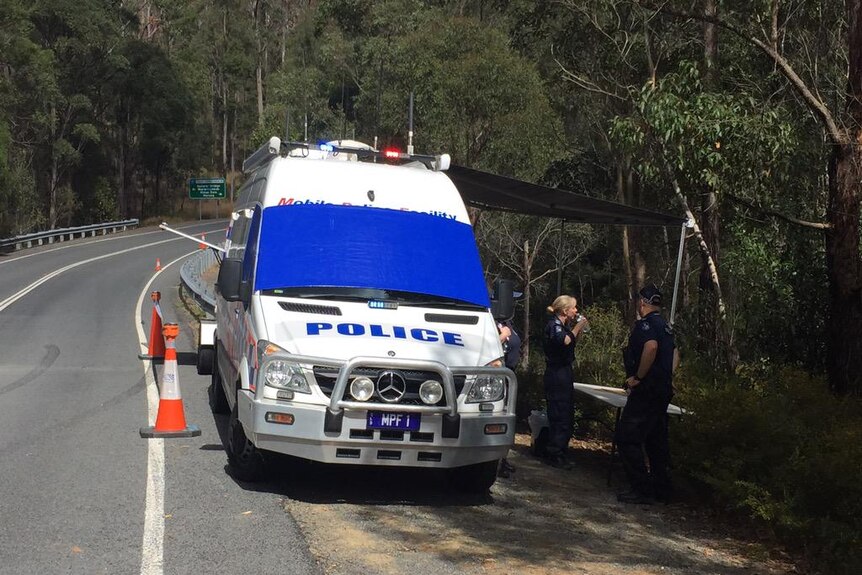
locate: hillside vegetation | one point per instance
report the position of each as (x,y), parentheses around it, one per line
(744,116)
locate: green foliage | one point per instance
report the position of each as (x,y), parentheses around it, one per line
(716,140)
(475,98)
(776,446)
(104,205)
(774,281)
(599,351)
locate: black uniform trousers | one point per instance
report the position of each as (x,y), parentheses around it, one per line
(560,395)
(643,429)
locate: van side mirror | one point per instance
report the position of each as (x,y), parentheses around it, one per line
(503,300)
(229,282)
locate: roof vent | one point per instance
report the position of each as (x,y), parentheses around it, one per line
(309,308)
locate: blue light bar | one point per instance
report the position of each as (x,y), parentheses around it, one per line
(326,147)
(378,304)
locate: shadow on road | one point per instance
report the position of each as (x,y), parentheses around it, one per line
(312,482)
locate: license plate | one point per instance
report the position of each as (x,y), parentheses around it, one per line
(388,420)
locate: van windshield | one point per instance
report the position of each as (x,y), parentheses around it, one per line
(406,256)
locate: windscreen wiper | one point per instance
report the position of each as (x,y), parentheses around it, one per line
(325,296)
(441,304)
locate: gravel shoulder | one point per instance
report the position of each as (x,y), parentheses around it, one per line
(540,520)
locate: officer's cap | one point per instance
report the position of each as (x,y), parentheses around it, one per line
(651,294)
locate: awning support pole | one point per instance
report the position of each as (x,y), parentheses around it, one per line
(678,270)
(560,260)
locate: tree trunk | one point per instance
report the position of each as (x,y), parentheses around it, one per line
(844,338)
(708,341)
(627,262)
(844,269)
(122,207)
(256,8)
(224,128)
(157,183)
(52,192)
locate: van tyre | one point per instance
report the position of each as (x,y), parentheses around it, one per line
(206,355)
(477,478)
(217,397)
(245,460)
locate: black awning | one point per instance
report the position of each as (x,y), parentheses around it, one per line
(489,191)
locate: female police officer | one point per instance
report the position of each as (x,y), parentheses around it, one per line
(559,339)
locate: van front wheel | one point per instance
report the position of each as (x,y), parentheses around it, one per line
(205,360)
(215,392)
(477,478)
(245,460)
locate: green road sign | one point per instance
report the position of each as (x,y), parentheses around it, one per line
(207,189)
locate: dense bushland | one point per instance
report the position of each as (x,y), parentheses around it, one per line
(743,116)
(773,444)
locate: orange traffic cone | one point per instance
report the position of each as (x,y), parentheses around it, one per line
(156,347)
(202,245)
(158,265)
(171,419)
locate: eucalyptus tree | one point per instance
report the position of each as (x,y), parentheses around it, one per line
(594,57)
(531,250)
(77,55)
(20,74)
(817,48)
(353,65)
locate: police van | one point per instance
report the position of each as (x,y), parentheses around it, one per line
(353,322)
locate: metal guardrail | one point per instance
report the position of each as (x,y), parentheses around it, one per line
(191,274)
(62,234)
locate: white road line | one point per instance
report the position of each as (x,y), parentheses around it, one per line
(154,513)
(152,549)
(15,297)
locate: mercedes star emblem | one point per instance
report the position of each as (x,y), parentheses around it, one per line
(391,386)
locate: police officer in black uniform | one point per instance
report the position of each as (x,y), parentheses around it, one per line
(511,342)
(650,359)
(559,340)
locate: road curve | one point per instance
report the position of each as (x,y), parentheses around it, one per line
(74,471)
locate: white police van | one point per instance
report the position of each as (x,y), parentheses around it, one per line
(353,321)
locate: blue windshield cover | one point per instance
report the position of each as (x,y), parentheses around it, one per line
(317,245)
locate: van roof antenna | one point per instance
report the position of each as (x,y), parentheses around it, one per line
(410,127)
(306,127)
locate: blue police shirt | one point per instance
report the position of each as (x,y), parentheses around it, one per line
(652,327)
(512,347)
(557,353)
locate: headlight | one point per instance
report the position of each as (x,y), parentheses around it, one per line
(487,388)
(361,389)
(285,375)
(430,392)
(280,373)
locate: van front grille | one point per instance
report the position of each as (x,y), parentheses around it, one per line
(326,376)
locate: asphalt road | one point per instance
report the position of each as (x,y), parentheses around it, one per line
(80,490)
